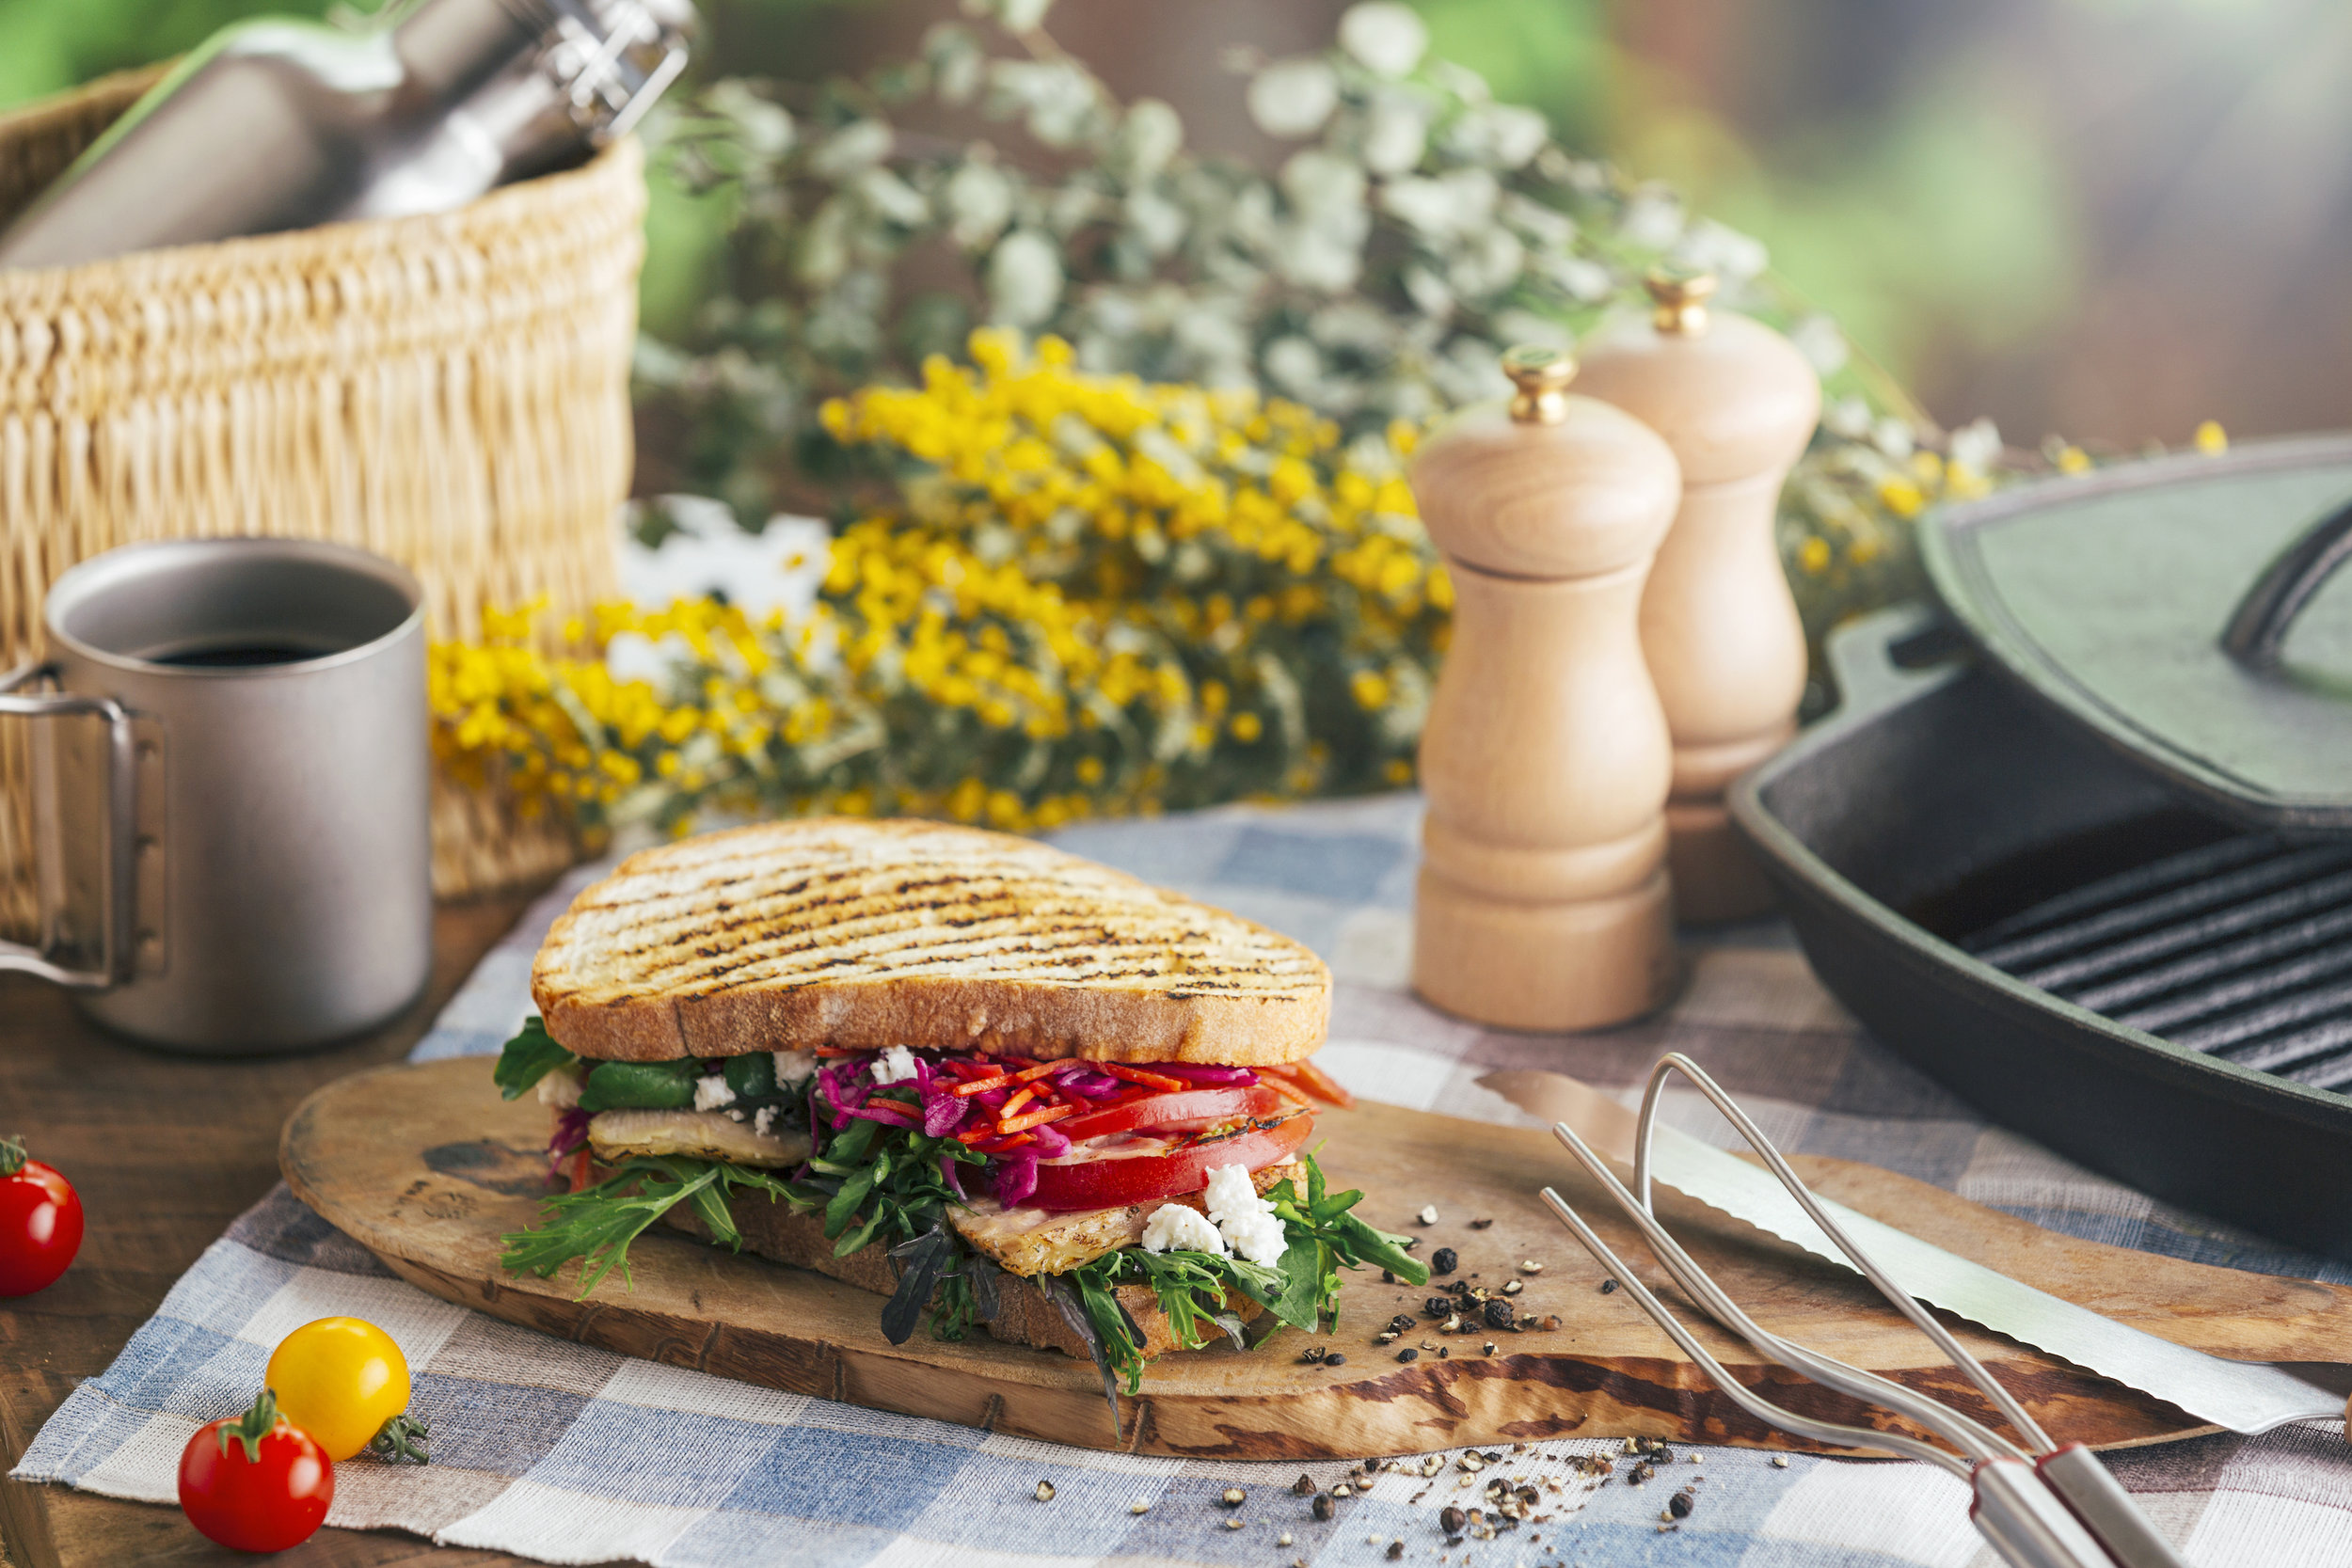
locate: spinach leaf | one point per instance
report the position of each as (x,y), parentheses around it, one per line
(751,1075)
(530,1056)
(639,1086)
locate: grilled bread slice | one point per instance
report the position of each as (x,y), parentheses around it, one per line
(864,935)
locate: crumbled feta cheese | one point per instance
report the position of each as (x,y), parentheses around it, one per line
(1258,1237)
(794,1066)
(1247,1220)
(1172,1224)
(764,1119)
(734,1115)
(894,1065)
(711,1093)
(561,1089)
(1230,1193)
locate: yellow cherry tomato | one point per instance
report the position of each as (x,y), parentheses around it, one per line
(339,1380)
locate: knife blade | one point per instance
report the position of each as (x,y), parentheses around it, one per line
(2249,1397)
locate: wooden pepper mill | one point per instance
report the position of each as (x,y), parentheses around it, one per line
(1543,901)
(1737,402)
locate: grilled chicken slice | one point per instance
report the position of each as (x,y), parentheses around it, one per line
(1030,1242)
(614,1135)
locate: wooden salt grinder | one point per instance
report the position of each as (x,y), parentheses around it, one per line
(1543,901)
(1737,402)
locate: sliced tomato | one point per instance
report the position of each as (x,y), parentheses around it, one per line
(1110,1172)
(1203,1107)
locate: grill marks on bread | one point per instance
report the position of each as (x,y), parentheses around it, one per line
(800,910)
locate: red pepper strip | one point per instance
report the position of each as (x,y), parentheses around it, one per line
(977,1134)
(976,1086)
(1013,1143)
(1051,1113)
(1314,1081)
(1136,1075)
(1019,1098)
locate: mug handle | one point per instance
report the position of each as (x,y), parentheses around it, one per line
(115,952)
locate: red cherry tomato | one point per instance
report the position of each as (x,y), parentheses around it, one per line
(1201,1108)
(256,1482)
(1098,1177)
(40,1221)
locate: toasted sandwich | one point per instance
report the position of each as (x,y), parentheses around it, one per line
(981,1077)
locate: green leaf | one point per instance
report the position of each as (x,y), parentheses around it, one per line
(597,1224)
(1308,1275)
(639,1086)
(845,1202)
(530,1056)
(1361,1244)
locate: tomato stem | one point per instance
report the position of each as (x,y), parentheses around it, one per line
(403,1437)
(250,1428)
(12,1155)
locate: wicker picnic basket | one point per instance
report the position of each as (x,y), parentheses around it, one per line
(451,392)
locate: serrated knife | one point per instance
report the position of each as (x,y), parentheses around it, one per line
(2244,1396)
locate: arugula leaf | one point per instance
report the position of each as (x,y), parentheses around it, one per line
(530,1056)
(597,1224)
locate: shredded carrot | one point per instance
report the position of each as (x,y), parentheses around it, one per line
(1136,1075)
(1038,1072)
(1019,1099)
(982,1086)
(1051,1113)
(1311,1079)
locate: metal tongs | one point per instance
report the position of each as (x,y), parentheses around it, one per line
(2039,1506)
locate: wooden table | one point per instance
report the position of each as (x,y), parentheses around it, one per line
(166,1152)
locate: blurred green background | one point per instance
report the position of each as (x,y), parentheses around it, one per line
(2109,218)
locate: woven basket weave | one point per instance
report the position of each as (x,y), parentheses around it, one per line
(451,392)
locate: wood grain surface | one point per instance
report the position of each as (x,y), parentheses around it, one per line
(166,1152)
(427,1166)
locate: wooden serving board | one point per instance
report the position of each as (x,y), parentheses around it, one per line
(426,1166)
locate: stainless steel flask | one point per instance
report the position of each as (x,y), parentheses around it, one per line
(275,124)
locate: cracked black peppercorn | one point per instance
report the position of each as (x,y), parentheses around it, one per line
(1442,1260)
(1498,1314)
(1437,1307)
(1680,1505)
(1409,1353)
(1335,1359)
(1304,1486)
(1321,1507)
(1450,1520)
(1396,1551)
(1606,1286)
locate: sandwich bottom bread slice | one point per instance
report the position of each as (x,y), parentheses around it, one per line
(985,1079)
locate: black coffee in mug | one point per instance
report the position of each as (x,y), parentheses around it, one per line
(239,655)
(236,852)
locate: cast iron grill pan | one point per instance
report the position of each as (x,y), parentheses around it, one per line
(2241,949)
(2088,954)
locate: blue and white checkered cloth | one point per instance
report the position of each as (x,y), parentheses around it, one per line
(558,1451)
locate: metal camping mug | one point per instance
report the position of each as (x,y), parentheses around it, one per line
(230,793)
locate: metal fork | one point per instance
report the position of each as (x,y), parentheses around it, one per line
(2041,1505)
